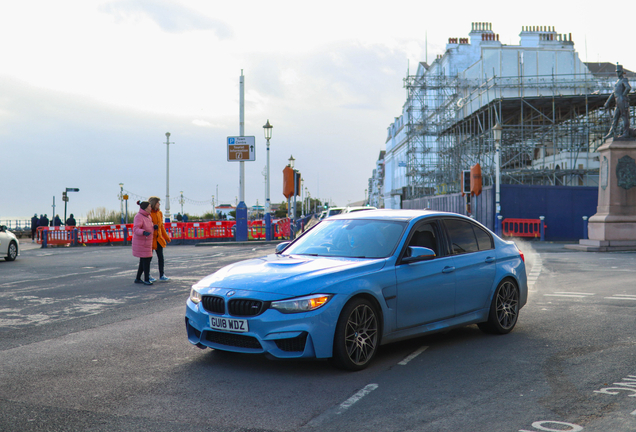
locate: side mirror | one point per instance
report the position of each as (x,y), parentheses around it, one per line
(417,253)
(3,228)
(280,247)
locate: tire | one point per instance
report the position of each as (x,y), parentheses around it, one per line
(504,309)
(12,253)
(357,337)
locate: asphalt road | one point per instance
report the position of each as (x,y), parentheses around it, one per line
(82,348)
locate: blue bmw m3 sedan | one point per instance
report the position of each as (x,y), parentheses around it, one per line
(360,280)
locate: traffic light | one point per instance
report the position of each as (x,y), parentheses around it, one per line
(465,181)
(64,197)
(297,182)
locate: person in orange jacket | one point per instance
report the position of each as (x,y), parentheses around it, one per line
(160,237)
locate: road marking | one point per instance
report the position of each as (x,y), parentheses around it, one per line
(413,355)
(572,292)
(621,297)
(569,295)
(634,413)
(356,397)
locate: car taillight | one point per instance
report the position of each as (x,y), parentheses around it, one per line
(523,258)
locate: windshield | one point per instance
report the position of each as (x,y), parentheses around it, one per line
(357,238)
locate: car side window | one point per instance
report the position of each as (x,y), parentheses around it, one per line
(425,235)
(484,241)
(462,236)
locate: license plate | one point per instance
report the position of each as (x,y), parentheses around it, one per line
(229,324)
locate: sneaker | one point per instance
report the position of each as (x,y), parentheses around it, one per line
(152,279)
(147,283)
(164,278)
(138,281)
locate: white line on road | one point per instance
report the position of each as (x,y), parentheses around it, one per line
(566,295)
(356,397)
(413,355)
(634,413)
(571,292)
(620,298)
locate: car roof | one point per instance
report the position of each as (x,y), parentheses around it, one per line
(388,214)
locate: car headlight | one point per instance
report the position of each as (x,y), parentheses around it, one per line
(195,296)
(301,304)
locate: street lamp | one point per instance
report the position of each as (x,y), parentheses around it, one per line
(497,131)
(121,200)
(291,161)
(168,175)
(181,202)
(267,129)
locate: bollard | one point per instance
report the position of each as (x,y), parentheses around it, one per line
(542,227)
(45,235)
(125,236)
(268,226)
(498,227)
(585,227)
(74,237)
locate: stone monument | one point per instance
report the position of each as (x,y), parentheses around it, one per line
(613,227)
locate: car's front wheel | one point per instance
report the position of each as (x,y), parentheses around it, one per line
(356,340)
(504,309)
(12,253)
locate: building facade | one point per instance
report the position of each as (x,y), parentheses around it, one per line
(546,99)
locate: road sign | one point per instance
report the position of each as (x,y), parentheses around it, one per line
(241,149)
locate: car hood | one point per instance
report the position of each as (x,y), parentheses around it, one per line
(287,274)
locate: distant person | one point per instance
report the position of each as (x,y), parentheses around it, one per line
(179,217)
(160,237)
(57,221)
(71,221)
(142,241)
(185,217)
(34,226)
(44,221)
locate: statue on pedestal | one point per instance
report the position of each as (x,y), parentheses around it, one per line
(621,97)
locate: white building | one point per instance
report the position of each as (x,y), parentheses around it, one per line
(540,91)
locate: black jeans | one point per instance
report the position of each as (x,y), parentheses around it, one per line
(159,251)
(144,266)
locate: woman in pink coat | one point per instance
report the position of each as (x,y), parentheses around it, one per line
(142,241)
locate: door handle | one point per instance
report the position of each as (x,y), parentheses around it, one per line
(448,269)
(490,259)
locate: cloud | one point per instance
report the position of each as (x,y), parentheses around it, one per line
(169,17)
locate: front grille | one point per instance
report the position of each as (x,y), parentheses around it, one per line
(292,344)
(213,304)
(231,339)
(242,307)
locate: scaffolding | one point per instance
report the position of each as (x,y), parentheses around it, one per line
(549,122)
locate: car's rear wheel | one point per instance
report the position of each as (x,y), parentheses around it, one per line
(504,309)
(356,340)
(12,253)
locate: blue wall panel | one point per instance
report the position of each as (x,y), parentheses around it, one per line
(562,206)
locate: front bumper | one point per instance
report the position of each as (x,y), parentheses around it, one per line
(301,335)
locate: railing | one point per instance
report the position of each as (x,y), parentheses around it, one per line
(122,233)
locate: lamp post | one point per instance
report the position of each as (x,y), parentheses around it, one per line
(267,129)
(497,131)
(181,201)
(168,175)
(121,200)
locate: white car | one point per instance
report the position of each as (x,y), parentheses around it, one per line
(357,208)
(9,244)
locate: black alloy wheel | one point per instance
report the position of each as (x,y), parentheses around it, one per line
(504,310)
(357,339)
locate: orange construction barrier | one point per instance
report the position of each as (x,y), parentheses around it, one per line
(120,233)
(521,227)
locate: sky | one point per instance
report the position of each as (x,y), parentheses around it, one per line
(89,88)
